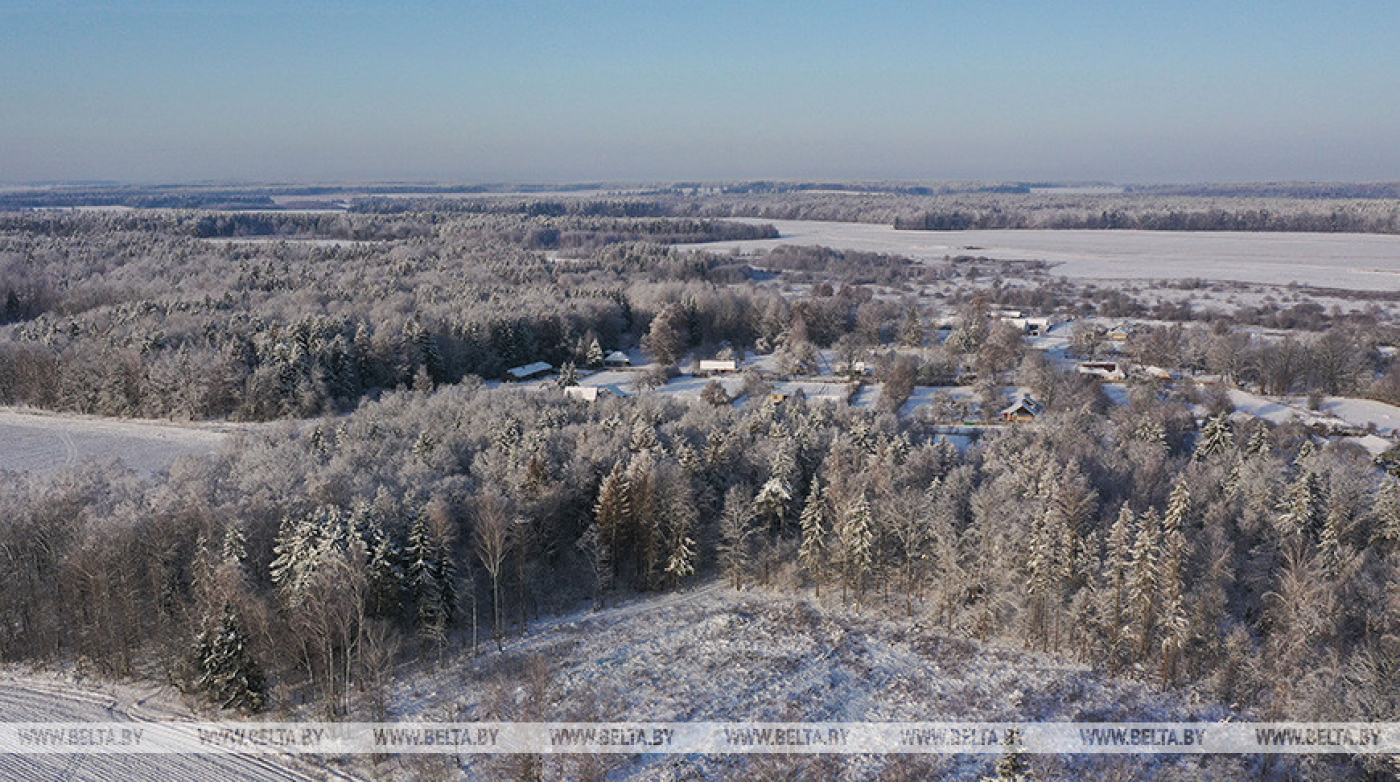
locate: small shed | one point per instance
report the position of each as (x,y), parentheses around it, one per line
(617,359)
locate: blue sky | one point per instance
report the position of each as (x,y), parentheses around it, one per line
(157,90)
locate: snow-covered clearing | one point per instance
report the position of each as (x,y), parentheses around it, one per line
(48,697)
(44,442)
(715,654)
(1350,261)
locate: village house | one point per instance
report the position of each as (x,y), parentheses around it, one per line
(617,359)
(1106,370)
(1119,333)
(1023,410)
(586,393)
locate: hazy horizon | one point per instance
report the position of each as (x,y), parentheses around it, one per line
(158,91)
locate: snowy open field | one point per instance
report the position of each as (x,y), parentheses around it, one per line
(1351,261)
(35,442)
(47,697)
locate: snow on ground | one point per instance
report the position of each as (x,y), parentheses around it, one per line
(1334,411)
(1272,410)
(713,654)
(1362,412)
(50,697)
(689,387)
(1117,393)
(1351,261)
(815,391)
(44,442)
(868,395)
(1373,444)
(622,382)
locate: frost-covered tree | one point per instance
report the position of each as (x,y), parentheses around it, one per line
(431,578)
(228,675)
(736,531)
(1302,508)
(612,513)
(1144,582)
(1216,438)
(1115,585)
(856,533)
(812,552)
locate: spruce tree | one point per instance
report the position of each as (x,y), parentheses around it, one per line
(811,554)
(1115,587)
(736,531)
(228,675)
(857,535)
(1215,437)
(1145,580)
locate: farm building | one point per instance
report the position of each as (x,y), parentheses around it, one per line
(853,368)
(1108,370)
(719,365)
(1022,410)
(586,393)
(617,359)
(529,371)
(1119,333)
(1034,326)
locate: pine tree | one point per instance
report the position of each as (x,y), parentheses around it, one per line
(770,505)
(1145,580)
(1117,580)
(643,436)
(235,548)
(386,576)
(1301,509)
(431,579)
(680,519)
(1174,623)
(612,513)
(296,552)
(856,533)
(1386,509)
(568,374)
(812,554)
(595,354)
(1215,438)
(1258,442)
(736,531)
(228,675)
(1178,511)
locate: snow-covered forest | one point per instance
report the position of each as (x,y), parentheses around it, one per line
(407,508)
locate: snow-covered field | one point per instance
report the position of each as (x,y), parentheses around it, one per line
(46,697)
(713,654)
(1351,261)
(43,442)
(1335,411)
